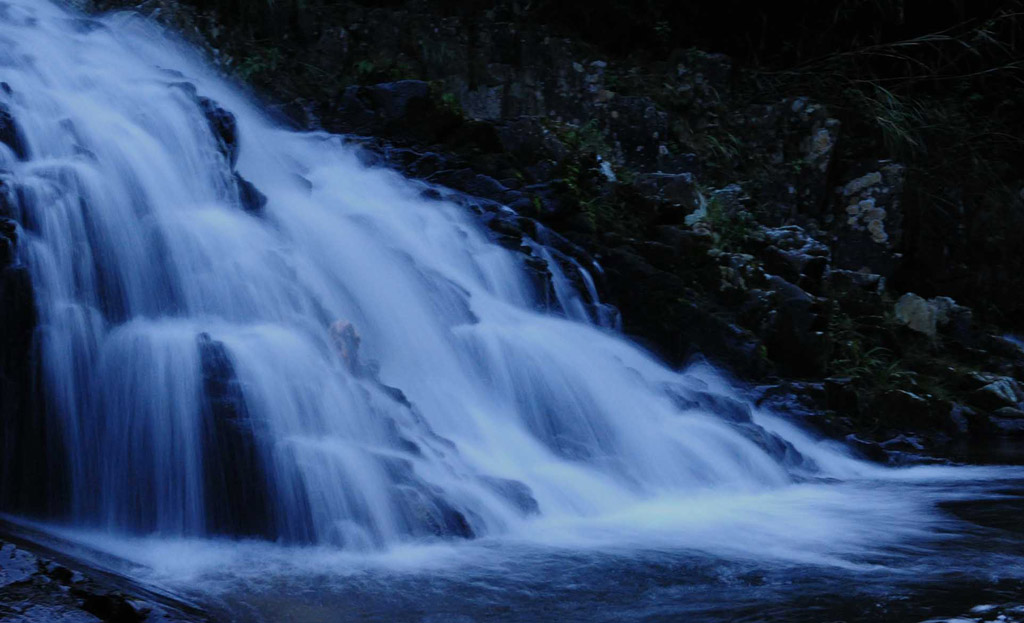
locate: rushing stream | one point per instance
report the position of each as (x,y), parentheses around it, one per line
(245,333)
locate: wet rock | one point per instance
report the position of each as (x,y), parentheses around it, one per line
(9,133)
(35,589)
(16,565)
(8,242)
(428,513)
(868,449)
(798,399)
(346,342)
(114,608)
(250,197)
(514,491)
(725,407)
(35,459)
(224,128)
(235,475)
(471,182)
(39,613)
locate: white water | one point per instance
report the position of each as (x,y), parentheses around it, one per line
(138,244)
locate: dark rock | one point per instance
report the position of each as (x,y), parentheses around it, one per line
(113,608)
(796,338)
(655,308)
(224,128)
(1008,413)
(428,513)
(33,476)
(905,409)
(529,140)
(382,108)
(1010,427)
(841,394)
(16,565)
(514,491)
(688,247)
(803,400)
(394,99)
(251,199)
(959,422)
(235,475)
(868,449)
(638,129)
(846,280)
(471,182)
(1001,392)
(9,133)
(8,242)
(678,189)
(795,139)
(725,407)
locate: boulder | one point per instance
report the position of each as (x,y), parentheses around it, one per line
(1000,393)
(928,316)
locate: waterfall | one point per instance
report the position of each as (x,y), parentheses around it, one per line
(241,330)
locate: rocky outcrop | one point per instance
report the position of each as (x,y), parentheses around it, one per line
(37,588)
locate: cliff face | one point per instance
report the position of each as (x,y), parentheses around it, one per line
(782,223)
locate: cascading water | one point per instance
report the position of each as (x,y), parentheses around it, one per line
(214,362)
(242,331)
